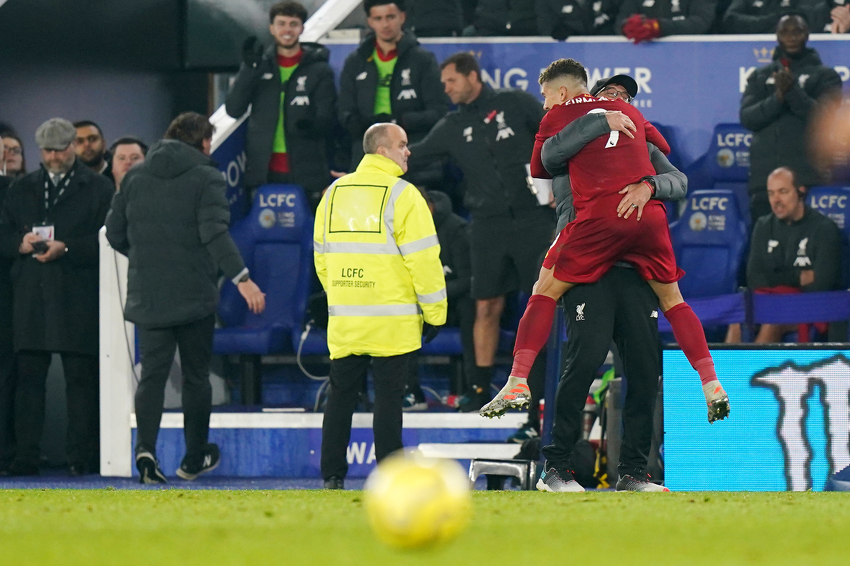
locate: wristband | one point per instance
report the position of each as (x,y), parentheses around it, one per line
(650,182)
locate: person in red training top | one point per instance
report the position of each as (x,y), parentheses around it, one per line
(607,181)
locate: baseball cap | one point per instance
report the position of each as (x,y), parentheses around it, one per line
(624,81)
(56,133)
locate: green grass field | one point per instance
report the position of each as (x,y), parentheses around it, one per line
(188,527)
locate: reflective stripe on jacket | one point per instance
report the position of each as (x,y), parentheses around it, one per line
(378,257)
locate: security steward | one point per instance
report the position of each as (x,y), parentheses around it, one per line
(490,137)
(378,258)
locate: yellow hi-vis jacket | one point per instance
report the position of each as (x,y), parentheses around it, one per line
(378,257)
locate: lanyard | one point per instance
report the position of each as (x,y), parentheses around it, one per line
(63,184)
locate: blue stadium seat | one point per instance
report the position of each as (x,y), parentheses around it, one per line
(710,240)
(276,242)
(728,162)
(834,202)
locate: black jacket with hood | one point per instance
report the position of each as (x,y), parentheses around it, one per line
(779,127)
(309,108)
(170,219)
(416,93)
(454,246)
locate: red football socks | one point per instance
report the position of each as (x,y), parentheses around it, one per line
(532,334)
(689,334)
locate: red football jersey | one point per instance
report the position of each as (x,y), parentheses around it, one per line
(604,166)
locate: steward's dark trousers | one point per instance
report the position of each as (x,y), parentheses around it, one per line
(8,371)
(623,306)
(82,388)
(347,376)
(157,347)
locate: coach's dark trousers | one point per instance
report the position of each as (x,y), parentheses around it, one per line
(347,376)
(157,347)
(82,396)
(620,306)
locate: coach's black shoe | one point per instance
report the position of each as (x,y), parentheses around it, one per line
(556,480)
(334,482)
(192,467)
(473,400)
(22,468)
(149,472)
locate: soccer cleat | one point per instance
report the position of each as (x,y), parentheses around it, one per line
(557,481)
(191,468)
(149,472)
(523,433)
(638,482)
(514,395)
(717,401)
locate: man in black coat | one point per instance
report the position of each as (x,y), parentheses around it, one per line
(390,78)
(170,219)
(761,16)
(7,348)
(644,21)
(777,105)
(48,226)
(435,18)
(290,88)
(490,137)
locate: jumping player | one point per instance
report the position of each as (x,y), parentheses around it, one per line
(590,245)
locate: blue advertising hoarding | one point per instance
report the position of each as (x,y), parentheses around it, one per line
(788,429)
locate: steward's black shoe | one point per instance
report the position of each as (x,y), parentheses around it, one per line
(21,468)
(149,472)
(191,468)
(334,482)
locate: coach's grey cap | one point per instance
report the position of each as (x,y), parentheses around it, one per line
(624,81)
(56,133)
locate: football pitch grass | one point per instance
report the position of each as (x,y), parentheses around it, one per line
(217,527)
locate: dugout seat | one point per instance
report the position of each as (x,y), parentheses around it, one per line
(276,243)
(710,240)
(834,203)
(728,163)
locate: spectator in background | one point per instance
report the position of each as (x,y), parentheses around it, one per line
(644,21)
(7,348)
(48,227)
(561,19)
(777,105)
(170,219)
(837,16)
(503,18)
(793,249)
(91,148)
(435,18)
(290,89)
(490,136)
(16,163)
(126,152)
(761,16)
(457,269)
(390,78)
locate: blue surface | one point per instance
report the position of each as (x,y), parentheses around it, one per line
(787,430)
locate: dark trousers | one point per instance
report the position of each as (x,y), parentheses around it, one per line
(82,396)
(347,376)
(8,376)
(157,347)
(618,306)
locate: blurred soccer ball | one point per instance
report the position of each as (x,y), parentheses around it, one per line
(412,501)
(829,138)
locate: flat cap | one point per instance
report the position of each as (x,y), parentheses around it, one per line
(56,133)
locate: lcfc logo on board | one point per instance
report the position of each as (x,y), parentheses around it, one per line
(267,218)
(763,55)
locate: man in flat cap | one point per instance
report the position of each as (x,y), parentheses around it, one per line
(48,227)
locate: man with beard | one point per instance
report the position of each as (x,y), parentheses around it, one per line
(91,148)
(48,227)
(290,88)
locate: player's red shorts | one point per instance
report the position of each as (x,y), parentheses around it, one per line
(586,249)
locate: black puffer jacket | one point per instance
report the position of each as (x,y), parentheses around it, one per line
(170,219)
(761,16)
(454,246)
(565,18)
(416,93)
(310,103)
(5,288)
(435,18)
(675,17)
(56,303)
(779,128)
(505,17)
(491,140)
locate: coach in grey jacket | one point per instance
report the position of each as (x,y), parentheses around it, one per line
(170,219)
